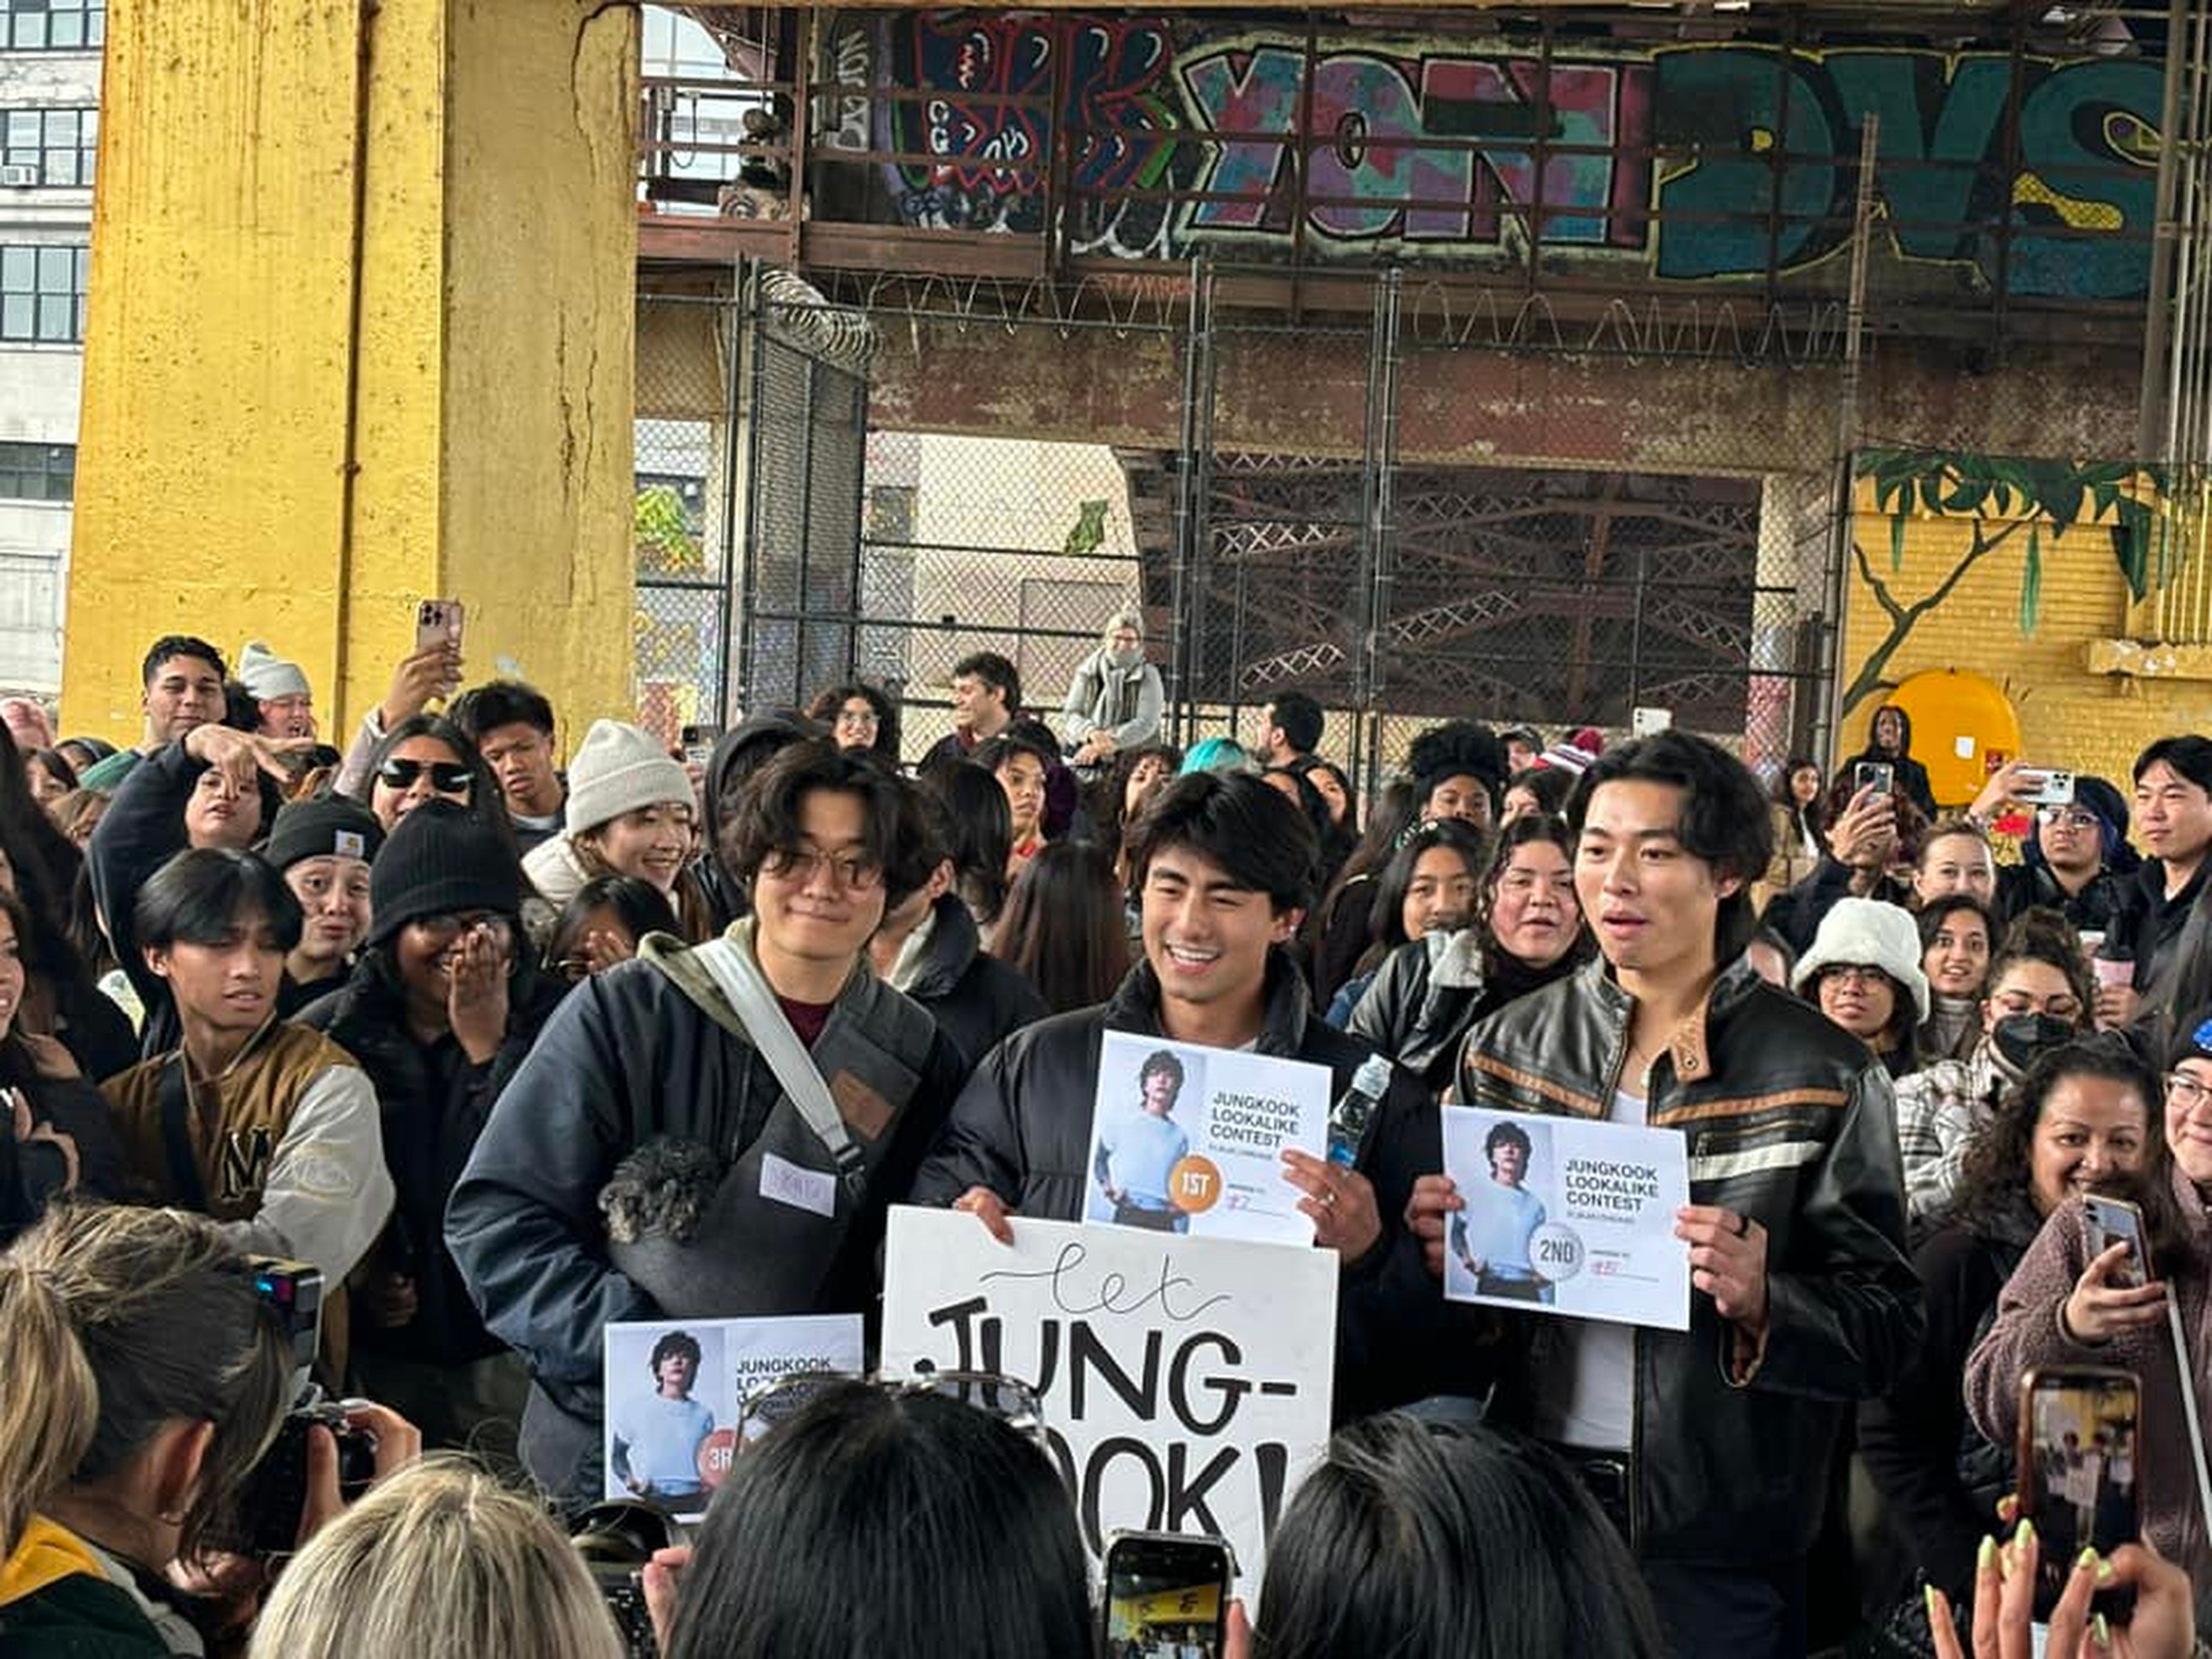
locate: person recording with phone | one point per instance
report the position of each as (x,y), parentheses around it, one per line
(141,1379)
(2077,862)
(1870,831)
(2071,1303)
(1889,743)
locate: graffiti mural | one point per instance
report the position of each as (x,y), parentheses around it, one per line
(1692,163)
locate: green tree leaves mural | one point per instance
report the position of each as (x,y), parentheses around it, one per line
(2008,498)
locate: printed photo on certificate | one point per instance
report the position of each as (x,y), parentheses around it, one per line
(1186,1139)
(1567,1216)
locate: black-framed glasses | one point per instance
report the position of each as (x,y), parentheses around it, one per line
(446,928)
(1012,1401)
(798,865)
(447,777)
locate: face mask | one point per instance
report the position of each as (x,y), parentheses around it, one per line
(2021,1038)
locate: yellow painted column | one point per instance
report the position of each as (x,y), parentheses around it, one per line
(361,332)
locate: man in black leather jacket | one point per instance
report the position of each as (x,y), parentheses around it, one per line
(1714,1448)
(1223,864)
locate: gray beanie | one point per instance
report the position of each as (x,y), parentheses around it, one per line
(620,768)
(267,675)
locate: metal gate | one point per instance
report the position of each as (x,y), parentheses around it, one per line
(1369,567)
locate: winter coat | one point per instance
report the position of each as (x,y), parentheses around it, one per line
(32,1172)
(629,1058)
(1125,703)
(975,999)
(2028,1332)
(1022,1128)
(1788,1121)
(434,1101)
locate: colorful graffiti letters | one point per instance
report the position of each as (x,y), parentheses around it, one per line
(1699,163)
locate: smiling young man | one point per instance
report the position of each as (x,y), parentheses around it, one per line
(769,1076)
(1714,1448)
(268,1127)
(987,695)
(2173,821)
(1222,865)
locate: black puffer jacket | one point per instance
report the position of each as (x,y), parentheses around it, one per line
(434,1103)
(1790,1121)
(1022,1128)
(975,999)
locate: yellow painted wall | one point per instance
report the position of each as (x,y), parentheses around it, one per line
(2068,717)
(490,388)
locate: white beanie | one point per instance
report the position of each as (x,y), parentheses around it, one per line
(619,769)
(1860,933)
(267,675)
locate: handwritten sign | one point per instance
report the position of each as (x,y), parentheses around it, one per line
(1185,1381)
(674,1389)
(1187,1140)
(1567,1216)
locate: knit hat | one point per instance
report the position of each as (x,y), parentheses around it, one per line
(106,777)
(329,827)
(438,861)
(267,675)
(620,768)
(2192,1042)
(1861,932)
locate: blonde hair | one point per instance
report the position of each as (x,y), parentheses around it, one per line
(114,1321)
(438,1559)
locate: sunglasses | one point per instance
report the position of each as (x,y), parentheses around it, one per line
(447,777)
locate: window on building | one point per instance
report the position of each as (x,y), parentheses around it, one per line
(60,144)
(53,25)
(37,472)
(42,293)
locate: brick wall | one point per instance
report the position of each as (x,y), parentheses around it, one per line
(2068,716)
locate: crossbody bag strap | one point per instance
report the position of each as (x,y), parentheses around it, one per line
(172,1095)
(741,980)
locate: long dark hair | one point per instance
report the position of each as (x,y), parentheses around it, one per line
(1390,817)
(1107,800)
(486,803)
(996,1572)
(982,827)
(1064,929)
(1993,1192)
(1386,916)
(637,903)
(825,706)
(1409,1539)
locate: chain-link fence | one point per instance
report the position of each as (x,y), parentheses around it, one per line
(1330,540)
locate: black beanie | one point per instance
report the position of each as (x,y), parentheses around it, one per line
(329,827)
(439,861)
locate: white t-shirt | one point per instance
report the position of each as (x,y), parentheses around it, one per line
(1593,1407)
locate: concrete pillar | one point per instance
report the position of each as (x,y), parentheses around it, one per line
(1793,540)
(360,333)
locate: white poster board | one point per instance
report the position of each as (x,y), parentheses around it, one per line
(1185,1381)
(1568,1217)
(1189,1139)
(669,1440)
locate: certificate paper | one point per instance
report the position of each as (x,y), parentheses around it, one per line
(1567,1216)
(1186,1140)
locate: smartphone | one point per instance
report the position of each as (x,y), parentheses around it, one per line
(1877,775)
(2047,787)
(437,621)
(1649,722)
(699,742)
(2079,1443)
(2112,1220)
(1167,1593)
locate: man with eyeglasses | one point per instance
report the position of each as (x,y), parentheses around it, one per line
(717,1130)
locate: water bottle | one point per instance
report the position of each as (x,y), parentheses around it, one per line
(1349,1118)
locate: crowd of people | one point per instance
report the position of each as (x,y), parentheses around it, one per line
(511,1051)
